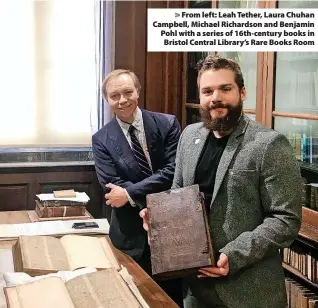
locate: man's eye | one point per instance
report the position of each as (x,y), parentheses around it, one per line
(207,91)
(114,96)
(226,89)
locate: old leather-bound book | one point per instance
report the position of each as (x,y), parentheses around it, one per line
(58,211)
(180,240)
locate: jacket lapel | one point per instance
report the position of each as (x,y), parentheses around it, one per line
(229,151)
(195,150)
(152,137)
(121,146)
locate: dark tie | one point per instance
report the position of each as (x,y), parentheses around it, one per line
(139,153)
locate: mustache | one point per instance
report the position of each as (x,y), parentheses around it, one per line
(218,105)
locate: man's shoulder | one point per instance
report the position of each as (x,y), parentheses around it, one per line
(263,135)
(193,128)
(262,130)
(160,116)
(163,121)
(105,130)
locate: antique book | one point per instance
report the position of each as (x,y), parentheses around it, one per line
(180,239)
(39,255)
(69,193)
(105,288)
(80,199)
(33,216)
(58,211)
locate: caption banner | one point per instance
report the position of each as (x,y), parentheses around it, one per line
(232,30)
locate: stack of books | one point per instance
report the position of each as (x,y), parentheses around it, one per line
(63,203)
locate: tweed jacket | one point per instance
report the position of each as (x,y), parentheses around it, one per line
(254,212)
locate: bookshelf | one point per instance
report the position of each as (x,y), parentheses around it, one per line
(300,262)
(299,275)
(309,226)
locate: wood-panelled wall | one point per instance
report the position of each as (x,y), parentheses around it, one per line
(19,186)
(130,39)
(160,73)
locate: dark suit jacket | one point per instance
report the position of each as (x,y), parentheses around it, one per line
(116,164)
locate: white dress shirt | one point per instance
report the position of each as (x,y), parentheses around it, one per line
(141,136)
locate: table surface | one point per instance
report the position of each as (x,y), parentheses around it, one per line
(151,292)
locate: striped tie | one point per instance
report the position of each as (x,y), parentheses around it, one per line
(139,153)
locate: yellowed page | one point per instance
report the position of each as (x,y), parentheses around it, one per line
(132,286)
(109,253)
(85,251)
(44,293)
(102,289)
(43,252)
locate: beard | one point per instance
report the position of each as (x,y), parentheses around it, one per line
(225,123)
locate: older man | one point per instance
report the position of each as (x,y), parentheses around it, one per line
(134,155)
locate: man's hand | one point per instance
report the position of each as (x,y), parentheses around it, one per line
(222,268)
(117,197)
(145,217)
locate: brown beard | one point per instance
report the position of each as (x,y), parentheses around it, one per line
(222,124)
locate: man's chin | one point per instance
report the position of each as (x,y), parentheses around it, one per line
(124,115)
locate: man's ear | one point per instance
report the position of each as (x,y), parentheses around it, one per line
(243,94)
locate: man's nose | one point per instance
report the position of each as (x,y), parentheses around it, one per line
(216,97)
(122,99)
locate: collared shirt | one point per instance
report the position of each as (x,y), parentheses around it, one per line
(139,132)
(141,136)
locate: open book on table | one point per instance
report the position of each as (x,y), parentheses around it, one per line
(39,255)
(104,288)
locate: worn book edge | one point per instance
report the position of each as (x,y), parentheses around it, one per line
(208,233)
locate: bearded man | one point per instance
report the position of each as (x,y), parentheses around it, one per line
(252,187)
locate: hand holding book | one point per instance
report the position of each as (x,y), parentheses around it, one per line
(145,222)
(222,268)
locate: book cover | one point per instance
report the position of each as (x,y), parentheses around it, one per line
(180,238)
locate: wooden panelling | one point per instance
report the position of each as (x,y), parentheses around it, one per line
(14,197)
(49,187)
(160,73)
(268,118)
(164,80)
(130,39)
(260,87)
(18,187)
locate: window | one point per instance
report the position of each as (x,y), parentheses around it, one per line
(48,73)
(295,105)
